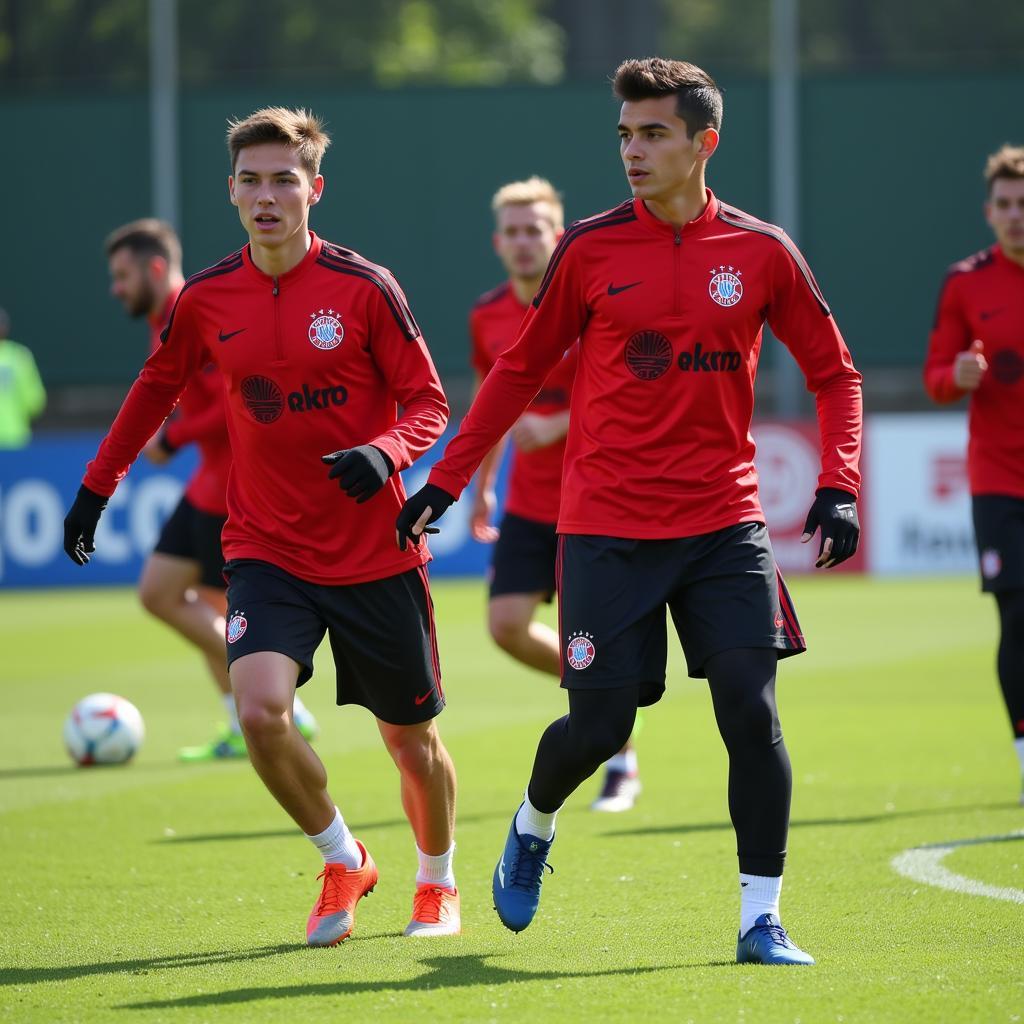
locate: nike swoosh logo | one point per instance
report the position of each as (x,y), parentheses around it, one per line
(421,700)
(612,290)
(501,873)
(225,337)
(987,314)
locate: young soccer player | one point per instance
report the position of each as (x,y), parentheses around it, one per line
(528,223)
(977,349)
(317,348)
(668,294)
(182,582)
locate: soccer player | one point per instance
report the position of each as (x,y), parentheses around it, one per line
(22,395)
(182,582)
(976,349)
(528,223)
(317,348)
(668,293)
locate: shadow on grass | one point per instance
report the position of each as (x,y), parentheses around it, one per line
(65,972)
(443,972)
(43,770)
(360,827)
(861,819)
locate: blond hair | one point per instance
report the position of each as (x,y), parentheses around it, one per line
(299,128)
(525,193)
(1006,162)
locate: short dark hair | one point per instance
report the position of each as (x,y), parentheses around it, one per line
(1006,162)
(698,98)
(144,238)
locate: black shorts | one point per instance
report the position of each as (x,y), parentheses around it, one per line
(723,590)
(195,535)
(999,534)
(382,634)
(524,558)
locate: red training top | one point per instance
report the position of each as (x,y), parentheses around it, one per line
(670,324)
(535,478)
(983,297)
(201,419)
(315,360)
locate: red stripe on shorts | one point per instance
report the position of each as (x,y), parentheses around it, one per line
(425,579)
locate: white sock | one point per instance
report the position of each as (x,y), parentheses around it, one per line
(624,761)
(759,894)
(531,822)
(1018,745)
(232,712)
(337,845)
(436,870)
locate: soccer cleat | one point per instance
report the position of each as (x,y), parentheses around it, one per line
(435,911)
(306,724)
(334,914)
(619,792)
(226,746)
(768,943)
(517,878)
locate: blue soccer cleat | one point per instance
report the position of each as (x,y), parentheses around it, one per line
(768,943)
(517,878)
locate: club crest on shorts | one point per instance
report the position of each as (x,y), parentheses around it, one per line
(237,626)
(580,652)
(991,563)
(725,286)
(325,332)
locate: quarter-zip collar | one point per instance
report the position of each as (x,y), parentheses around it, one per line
(312,254)
(645,217)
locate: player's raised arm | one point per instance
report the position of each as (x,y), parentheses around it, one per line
(800,317)
(554,322)
(956,361)
(147,405)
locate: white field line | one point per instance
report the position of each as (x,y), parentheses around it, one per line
(924,864)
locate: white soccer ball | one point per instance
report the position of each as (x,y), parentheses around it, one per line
(103,729)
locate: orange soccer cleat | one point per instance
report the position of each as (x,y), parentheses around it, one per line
(334,913)
(435,911)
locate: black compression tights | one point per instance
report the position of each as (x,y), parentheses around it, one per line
(1010,659)
(742,686)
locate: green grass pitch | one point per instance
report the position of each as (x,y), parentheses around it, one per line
(163,892)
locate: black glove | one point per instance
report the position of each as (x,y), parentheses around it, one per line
(361,472)
(835,512)
(438,500)
(80,524)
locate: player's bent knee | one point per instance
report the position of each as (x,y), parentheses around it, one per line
(752,723)
(263,722)
(155,600)
(508,631)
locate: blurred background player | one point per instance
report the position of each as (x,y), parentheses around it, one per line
(529,220)
(977,349)
(22,395)
(182,582)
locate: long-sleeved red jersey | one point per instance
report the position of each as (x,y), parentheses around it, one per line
(200,418)
(315,360)
(670,324)
(535,478)
(983,297)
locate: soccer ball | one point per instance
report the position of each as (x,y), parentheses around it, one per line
(103,729)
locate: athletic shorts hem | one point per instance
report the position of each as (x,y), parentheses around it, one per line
(785,649)
(305,667)
(429,713)
(650,691)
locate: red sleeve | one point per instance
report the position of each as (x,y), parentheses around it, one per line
(402,357)
(951,334)
(211,423)
(150,400)
(801,319)
(478,356)
(552,324)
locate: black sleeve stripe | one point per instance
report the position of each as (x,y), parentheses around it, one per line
(738,219)
(399,310)
(228,265)
(620,215)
